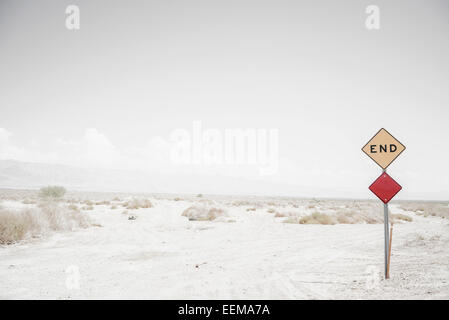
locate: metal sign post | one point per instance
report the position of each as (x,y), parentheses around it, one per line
(383,148)
(387,245)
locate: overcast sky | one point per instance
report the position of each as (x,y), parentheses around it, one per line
(111,93)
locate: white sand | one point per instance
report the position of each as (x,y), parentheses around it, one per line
(162,255)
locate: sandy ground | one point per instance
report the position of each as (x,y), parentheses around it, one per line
(162,255)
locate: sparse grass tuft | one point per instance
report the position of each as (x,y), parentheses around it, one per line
(291,219)
(73,207)
(400,217)
(280,215)
(139,203)
(28,201)
(195,213)
(426,209)
(317,218)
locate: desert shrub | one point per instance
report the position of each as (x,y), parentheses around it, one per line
(291,219)
(427,208)
(87,208)
(343,219)
(139,203)
(52,192)
(19,225)
(251,209)
(353,217)
(196,213)
(199,195)
(362,212)
(271,210)
(317,218)
(401,217)
(73,207)
(239,203)
(28,201)
(105,202)
(280,215)
(15,225)
(113,207)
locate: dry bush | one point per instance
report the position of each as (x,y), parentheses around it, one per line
(317,218)
(52,192)
(426,209)
(292,219)
(105,202)
(357,212)
(88,208)
(29,201)
(271,210)
(19,225)
(400,217)
(15,225)
(251,209)
(413,206)
(176,199)
(195,213)
(113,207)
(280,215)
(352,217)
(138,203)
(239,203)
(207,202)
(343,219)
(73,207)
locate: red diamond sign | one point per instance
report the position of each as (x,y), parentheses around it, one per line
(385,187)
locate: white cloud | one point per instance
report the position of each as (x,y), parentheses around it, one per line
(7,149)
(97,150)
(93,149)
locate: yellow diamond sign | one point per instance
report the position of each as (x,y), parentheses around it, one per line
(383,148)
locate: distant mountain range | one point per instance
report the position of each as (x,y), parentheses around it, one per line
(25,175)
